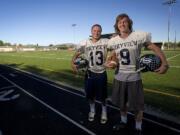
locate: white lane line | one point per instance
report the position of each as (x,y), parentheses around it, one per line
(7,87)
(28,74)
(175,66)
(116,108)
(51,108)
(173,57)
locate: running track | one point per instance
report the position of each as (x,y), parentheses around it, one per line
(42,107)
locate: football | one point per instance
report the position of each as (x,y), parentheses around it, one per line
(111,64)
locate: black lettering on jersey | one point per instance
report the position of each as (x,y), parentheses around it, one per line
(96,47)
(127,44)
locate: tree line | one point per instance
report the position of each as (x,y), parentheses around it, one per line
(66,46)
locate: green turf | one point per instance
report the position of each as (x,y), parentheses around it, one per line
(56,65)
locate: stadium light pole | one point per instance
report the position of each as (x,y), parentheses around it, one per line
(175,41)
(169,3)
(73,26)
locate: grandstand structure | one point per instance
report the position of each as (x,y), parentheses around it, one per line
(25,49)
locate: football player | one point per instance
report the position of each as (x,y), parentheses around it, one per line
(127,85)
(94,50)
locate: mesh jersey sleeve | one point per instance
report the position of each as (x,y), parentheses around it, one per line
(147,38)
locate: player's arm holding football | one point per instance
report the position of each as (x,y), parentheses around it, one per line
(164,65)
(74,67)
(112,60)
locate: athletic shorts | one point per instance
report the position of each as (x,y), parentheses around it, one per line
(96,86)
(128,94)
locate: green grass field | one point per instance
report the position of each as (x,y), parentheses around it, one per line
(161,91)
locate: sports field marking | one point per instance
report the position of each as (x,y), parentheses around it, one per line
(148,90)
(175,66)
(6,95)
(48,69)
(51,54)
(162,93)
(83,96)
(7,87)
(49,107)
(41,57)
(173,57)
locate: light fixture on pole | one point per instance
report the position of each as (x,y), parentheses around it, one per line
(169,3)
(73,26)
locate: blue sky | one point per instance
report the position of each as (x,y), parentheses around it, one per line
(50,21)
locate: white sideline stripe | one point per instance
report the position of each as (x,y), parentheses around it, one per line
(7,87)
(59,58)
(31,76)
(51,108)
(175,66)
(173,57)
(163,125)
(116,108)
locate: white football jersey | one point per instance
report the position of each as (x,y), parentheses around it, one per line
(128,50)
(95,53)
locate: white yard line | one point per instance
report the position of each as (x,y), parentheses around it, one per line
(59,58)
(175,66)
(49,107)
(173,57)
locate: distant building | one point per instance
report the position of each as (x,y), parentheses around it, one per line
(6,49)
(27,49)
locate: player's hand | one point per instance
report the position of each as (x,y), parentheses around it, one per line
(111,64)
(74,68)
(162,69)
